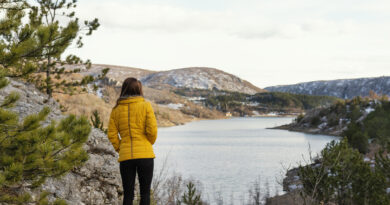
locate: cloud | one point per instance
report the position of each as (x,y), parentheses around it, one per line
(172,19)
(265,42)
(150,17)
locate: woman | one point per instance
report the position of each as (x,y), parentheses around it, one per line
(133,118)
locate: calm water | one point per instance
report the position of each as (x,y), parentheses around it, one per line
(227,156)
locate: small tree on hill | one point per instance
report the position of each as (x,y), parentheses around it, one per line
(191,196)
(356,138)
(372,95)
(96,121)
(55,37)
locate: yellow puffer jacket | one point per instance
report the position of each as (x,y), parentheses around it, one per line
(136,124)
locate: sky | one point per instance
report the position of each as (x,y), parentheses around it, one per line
(266,42)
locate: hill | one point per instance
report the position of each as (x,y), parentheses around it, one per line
(342,88)
(200,78)
(194,77)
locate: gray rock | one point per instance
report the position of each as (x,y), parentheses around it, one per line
(98,180)
(31,100)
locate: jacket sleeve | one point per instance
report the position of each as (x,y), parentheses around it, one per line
(112,132)
(151,124)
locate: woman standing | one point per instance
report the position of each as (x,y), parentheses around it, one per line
(133,119)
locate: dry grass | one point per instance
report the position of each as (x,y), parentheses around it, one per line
(374,149)
(291,198)
(168,117)
(84,104)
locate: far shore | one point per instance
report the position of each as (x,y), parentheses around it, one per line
(164,125)
(288,127)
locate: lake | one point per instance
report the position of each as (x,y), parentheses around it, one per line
(228,156)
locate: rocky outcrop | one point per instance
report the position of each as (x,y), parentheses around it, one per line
(31,100)
(98,180)
(343,88)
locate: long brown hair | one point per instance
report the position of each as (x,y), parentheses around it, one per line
(130,87)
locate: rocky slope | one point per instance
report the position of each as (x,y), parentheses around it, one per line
(194,77)
(200,78)
(343,88)
(98,180)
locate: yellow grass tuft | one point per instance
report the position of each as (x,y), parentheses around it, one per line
(84,104)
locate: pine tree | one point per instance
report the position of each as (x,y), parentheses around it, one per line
(37,47)
(18,45)
(96,121)
(56,37)
(343,177)
(356,138)
(191,197)
(31,153)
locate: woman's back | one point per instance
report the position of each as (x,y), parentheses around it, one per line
(134,120)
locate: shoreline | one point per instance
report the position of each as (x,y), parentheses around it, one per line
(165,125)
(307,131)
(185,122)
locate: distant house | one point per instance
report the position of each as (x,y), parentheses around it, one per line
(228,114)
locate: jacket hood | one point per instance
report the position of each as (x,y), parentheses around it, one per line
(131,100)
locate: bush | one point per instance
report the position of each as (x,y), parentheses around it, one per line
(191,196)
(376,126)
(359,141)
(355,113)
(315,121)
(343,177)
(299,118)
(356,138)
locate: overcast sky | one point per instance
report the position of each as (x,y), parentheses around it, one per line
(267,42)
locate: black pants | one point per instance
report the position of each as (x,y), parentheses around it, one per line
(144,168)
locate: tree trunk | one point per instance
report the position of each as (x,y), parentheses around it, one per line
(48,80)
